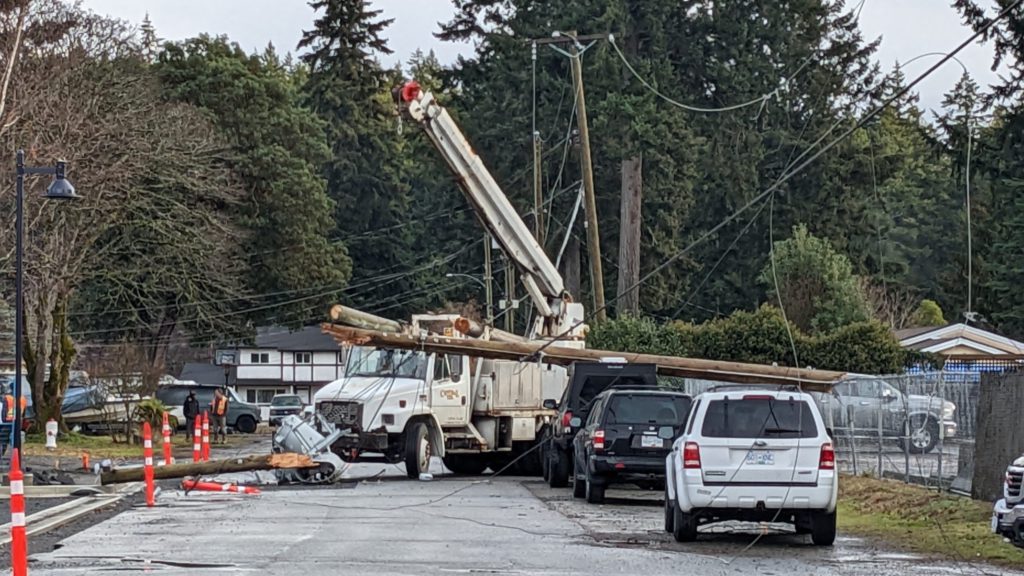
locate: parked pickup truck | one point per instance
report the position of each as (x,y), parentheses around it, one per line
(1008,515)
(863,401)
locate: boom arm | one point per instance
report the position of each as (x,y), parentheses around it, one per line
(542,280)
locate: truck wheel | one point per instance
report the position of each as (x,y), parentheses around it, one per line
(469,464)
(595,491)
(558,468)
(417,450)
(823,529)
(684,526)
(669,513)
(579,487)
(923,435)
(245,424)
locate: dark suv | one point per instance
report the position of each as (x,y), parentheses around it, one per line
(586,381)
(625,439)
(242,416)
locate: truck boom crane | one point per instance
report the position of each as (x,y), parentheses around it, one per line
(558,315)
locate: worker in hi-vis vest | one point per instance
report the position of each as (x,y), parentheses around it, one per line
(219,409)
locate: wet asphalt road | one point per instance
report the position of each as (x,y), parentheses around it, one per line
(447,526)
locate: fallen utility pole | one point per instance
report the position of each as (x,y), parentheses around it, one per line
(476,330)
(242,464)
(715,370)
(360,319)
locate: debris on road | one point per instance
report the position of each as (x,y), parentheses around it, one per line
(298,436)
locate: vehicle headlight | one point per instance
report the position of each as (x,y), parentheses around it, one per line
(947,410)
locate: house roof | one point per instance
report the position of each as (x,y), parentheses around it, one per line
(955,339)
(308,339)
(911,332)
(202,373)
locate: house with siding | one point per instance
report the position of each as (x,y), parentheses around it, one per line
(279,361)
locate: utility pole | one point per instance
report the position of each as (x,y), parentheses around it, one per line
(538,193)
(590,201)
(488,276)
(586,166)
(628,289)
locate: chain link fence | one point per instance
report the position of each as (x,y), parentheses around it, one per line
(917,427)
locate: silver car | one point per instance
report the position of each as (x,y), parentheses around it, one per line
(867,405)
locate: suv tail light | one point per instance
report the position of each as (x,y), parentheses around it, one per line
(566,418)
(691,455)
(598,439)
(827,460)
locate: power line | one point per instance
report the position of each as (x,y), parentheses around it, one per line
(798,169)
(762,100)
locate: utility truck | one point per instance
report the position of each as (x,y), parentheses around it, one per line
(408,405)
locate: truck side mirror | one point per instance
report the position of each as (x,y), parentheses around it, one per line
(551,404)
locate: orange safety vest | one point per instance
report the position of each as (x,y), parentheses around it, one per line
(220,406)
(9,407)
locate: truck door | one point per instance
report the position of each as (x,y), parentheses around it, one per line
(450,390)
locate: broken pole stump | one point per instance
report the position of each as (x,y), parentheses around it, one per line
(239,464)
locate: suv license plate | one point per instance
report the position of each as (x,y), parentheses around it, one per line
(650,442)
(759,458)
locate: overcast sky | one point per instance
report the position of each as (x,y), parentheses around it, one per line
(907,28)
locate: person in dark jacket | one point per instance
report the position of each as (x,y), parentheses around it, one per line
(191,410)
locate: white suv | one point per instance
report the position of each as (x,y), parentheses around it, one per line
(752,455)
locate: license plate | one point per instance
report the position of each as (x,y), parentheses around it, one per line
(650,442)
(759,458)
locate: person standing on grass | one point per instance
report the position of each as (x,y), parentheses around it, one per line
(220,415)
(191,410)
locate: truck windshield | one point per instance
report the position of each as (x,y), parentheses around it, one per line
(380,362)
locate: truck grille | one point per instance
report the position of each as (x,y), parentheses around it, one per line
(1014,478)
(347,414)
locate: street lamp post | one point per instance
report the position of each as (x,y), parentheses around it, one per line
(490,307)
(59,189)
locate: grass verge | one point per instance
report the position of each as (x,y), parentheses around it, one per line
(923,521)
(103,447)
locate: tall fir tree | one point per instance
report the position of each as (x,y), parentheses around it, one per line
(348,89)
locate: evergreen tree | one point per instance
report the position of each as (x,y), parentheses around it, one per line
(349,90)
(295,269)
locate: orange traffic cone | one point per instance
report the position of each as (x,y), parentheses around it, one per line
(192,484)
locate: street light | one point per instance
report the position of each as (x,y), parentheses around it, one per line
(59,189)
(490,312)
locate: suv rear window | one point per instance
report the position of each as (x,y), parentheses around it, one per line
(754,418)
(657,409)
(594,385)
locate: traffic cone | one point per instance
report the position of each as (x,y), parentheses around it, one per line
(197,438)
(206,436)
(147,453)
(19,543)
(193,484)
(167,440)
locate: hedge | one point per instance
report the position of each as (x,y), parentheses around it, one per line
(760,337)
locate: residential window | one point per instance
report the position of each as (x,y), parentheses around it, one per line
(303,357)
(265,396)
(259,358)
(250,396)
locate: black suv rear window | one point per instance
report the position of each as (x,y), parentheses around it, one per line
(662,410)
(759,417)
